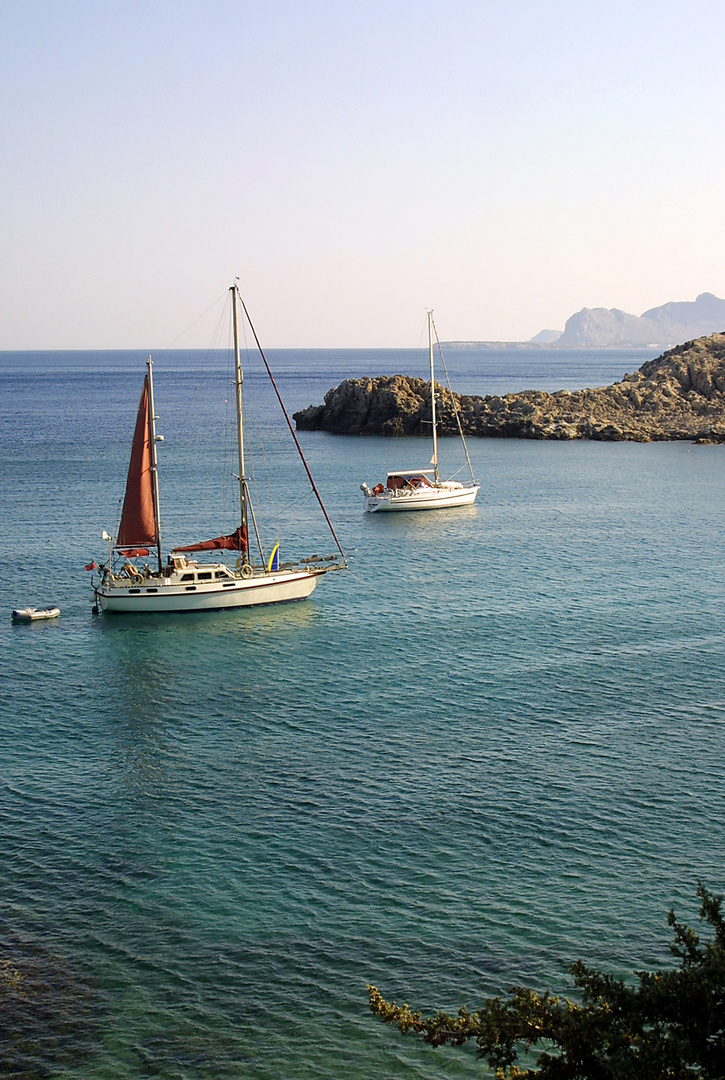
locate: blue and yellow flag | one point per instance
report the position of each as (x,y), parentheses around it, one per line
(273,563)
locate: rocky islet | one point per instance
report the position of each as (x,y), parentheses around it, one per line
(678,395)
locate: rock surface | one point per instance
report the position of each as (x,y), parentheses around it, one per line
(679,395)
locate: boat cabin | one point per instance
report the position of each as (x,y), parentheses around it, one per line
(189,569)
(206,573)
(409,479)
(177,569)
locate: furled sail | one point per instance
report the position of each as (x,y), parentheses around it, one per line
(138,526)
(236,541)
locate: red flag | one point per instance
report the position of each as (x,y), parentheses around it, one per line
(91,565)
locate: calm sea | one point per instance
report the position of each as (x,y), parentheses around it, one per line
(492,748)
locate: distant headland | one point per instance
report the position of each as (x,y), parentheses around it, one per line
(679,395)
(609,328)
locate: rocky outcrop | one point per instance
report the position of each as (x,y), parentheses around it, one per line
(680,395)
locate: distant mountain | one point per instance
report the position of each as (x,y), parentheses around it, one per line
(671,324)
(684,321)
(599,328)
(546,337)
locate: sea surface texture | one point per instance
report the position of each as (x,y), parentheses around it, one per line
(493,747)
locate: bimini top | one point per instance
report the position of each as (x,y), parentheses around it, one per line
(407,473)
(408,480)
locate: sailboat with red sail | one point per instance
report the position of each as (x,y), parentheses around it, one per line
(181,582)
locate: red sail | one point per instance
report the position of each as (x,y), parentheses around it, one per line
(138,527)
(237,541)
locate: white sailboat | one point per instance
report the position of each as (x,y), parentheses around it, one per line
(182,583)
(423,489)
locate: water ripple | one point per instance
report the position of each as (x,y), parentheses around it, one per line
(503,755)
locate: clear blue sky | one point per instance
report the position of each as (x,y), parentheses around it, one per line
(354,161)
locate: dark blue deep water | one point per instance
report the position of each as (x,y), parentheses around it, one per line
(492,748)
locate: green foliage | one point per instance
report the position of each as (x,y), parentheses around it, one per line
(668,1025)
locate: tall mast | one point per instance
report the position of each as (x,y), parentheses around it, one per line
(239,378)
(434,461)
(313,485)
(154,464)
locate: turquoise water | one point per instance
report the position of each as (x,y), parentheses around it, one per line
(493,748)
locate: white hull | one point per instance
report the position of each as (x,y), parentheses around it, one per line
(154,597)
(433,498)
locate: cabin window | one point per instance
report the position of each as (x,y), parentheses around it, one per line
(152,590)
(204,577)
(191,588)
(229,584)
(134,591)
(187,577)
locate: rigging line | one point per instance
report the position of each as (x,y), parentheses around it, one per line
(455,474)
(230,516)
(362,581)
(455,403)
(248,494)
(197,400)
(228,519)
(247,388)
(254,523)
(179,336)
(250,421)
(278,531)
(260,442)
(293,503)
(293,432)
